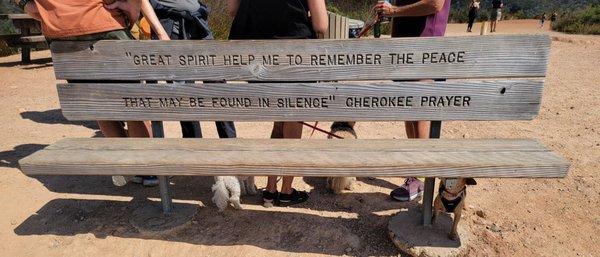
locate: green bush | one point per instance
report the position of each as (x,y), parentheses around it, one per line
(6,27)
(218,19)
(586,21)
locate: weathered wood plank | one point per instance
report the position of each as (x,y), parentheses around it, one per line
(33,39)
(305,60)
(331,30)
(372,101)
(338,27)
(246,144)
(216,159)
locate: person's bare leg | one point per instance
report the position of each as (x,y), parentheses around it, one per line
(412,187)
(277,132)
(290,130)
(272,184)
(417,129)
(139,129)
(111,128)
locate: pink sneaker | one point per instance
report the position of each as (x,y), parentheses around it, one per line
(410,191)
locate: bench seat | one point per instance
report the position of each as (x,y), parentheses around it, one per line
(322,158)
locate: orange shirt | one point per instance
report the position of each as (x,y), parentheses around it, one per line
(67,18)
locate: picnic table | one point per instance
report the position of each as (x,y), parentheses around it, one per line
(29,34)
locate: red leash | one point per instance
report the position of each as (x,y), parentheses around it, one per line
(318,129)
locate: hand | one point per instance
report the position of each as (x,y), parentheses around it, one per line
(384,8)
(131,8)
(32,10)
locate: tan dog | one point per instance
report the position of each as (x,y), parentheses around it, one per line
(451,198)
(337,184)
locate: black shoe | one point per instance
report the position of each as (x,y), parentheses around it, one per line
(147,181)
(295,197)
(270,198)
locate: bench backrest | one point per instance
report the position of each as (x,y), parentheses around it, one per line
(355,78)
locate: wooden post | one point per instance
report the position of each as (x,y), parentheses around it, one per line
(484,26)
(163,181)
(434,132)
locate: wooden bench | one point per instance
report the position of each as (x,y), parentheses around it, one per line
(285,75)
(29,35)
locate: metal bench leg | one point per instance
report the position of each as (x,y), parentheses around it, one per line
(163,181)
(165,195)
(434,132)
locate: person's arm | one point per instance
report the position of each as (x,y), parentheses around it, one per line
(421,8)
(32,10)
(29,7)
(232,7)
(318,15)
(155,24)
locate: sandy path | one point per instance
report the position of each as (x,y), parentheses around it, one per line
(87,216)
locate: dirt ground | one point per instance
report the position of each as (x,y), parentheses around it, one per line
(88,216)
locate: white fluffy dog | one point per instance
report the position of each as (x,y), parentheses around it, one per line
(228,189)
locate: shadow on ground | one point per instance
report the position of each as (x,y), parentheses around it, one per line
(11,158)
(199,189)
(55,117)
(280,230)
(35,63)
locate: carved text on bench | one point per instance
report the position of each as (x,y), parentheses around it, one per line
(433,57)
(298,102)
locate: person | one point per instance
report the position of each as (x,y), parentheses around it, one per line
(553,18)
(542,20)
(473,8)
(415,18)
(183,20)
(496,14)
(279,19)
(92,20)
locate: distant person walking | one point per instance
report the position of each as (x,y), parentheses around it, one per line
(473,8)
(496,14)
(542,20)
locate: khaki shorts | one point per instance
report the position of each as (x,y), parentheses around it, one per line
(120,34)
(496,14)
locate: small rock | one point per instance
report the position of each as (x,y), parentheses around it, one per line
(572,107)
(494,228)
(481,214)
